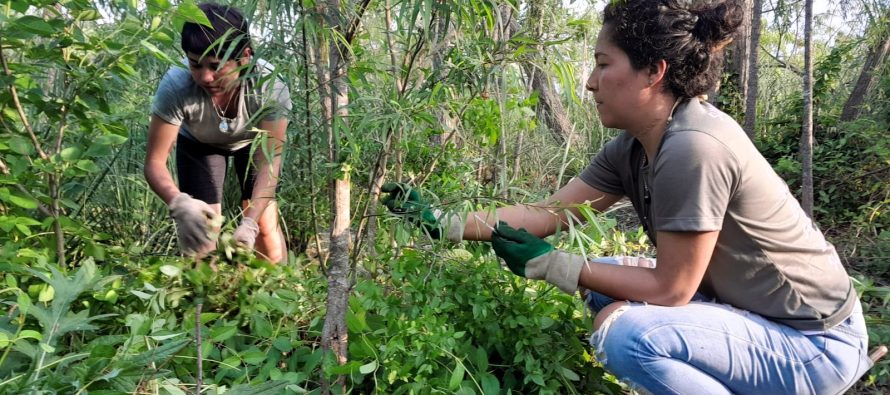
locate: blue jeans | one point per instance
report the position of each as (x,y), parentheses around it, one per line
(711,348)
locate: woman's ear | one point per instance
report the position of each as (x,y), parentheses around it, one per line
(657,72)
(246,53)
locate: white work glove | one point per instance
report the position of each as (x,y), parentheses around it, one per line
(246,233)
(194,220)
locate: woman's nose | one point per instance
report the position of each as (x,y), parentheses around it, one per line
(590,85)
(205,75)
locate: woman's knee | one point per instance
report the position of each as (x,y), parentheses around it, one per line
(604,313)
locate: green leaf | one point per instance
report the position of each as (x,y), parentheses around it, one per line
(24,229)
(231,362)
(87,166)
(457,376)
(267,388)
(4,340)
(170,270)
(547,322)
(368,367)
(490,384)
(159,354)
(24,302)
(347,368)
(25,221)
(282,344)
(172,389)
(30,334)
(223,333)
(35,25)
(140,294)
(21,145)
(188,11)
(87,15)
(157,53)
(71,153)
(22,201)
(110,375)
(20,6)
(570,374)
(254,357)
(262,326)
(47,294)
(47,348)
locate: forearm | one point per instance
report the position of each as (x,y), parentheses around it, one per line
(540,219)
(268,170)
(633,283)
(160,181)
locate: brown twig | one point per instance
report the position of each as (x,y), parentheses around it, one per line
(19,108)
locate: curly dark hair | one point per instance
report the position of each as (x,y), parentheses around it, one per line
(688,35)
(228,31)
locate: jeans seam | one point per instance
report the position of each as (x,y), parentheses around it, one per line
(759,347)
(658,379)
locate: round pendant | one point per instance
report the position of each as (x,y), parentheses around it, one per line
(224,126)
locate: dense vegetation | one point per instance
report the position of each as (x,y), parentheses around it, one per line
(97,299)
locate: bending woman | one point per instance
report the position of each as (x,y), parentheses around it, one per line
(212,109)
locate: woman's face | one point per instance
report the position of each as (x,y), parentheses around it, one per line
(214,75)
(617,88)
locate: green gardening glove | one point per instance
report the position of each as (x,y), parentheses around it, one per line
(517,247)
(531,257)
(405,201)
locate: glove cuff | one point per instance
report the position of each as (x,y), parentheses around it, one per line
(250,223)
(451,225)
(558,268)
(178,200)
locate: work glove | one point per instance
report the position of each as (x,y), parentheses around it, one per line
(246,233)
(531,257)
(194,224)
(407,202)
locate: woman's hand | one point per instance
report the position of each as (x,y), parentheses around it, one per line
(528,256)
(195,221)
(407,202)
(245,234)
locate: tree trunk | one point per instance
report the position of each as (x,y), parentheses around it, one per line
(442,34)
(750,93)
(333,94)
(550,107)
(499,176)
(806,139)
(867,77)
(736,64)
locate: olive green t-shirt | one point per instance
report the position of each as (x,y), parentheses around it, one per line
(770,258)
(180,101)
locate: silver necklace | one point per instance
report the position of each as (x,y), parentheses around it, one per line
(224,123)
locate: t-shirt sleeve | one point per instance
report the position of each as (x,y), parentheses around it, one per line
(603,171)
(695,178)
(278,103)
(167,103)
